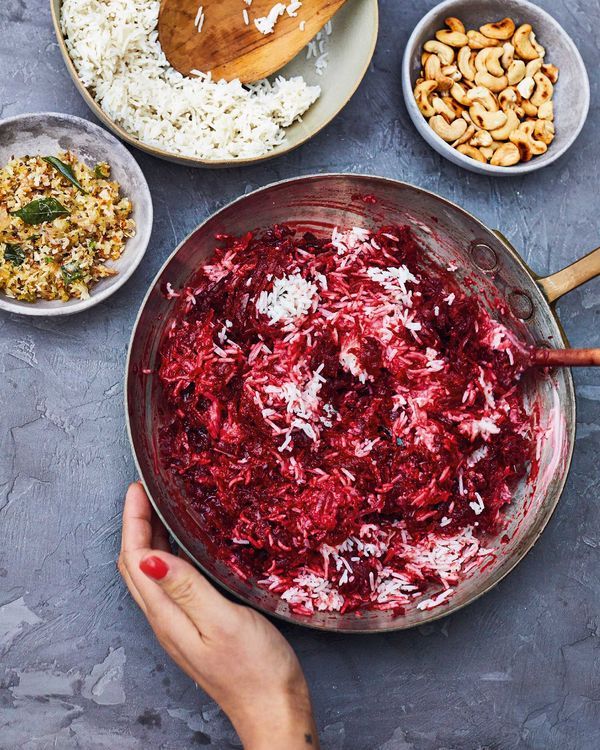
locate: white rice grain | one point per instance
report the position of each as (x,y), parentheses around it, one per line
(115,48)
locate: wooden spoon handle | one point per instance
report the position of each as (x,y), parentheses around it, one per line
(565,357)
(572,276)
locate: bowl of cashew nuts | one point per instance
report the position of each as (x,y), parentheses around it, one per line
(495,86)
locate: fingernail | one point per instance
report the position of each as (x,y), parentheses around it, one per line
(154,567)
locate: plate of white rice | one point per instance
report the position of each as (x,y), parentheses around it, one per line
(112,51)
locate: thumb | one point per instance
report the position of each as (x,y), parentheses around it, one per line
(189,590)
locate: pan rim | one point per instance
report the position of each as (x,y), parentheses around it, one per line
(431,615)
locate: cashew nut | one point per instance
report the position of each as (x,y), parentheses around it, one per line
(452,38)
(508,55)
(441,108)
(454,105)
(546,111)
(454,24)
(544,131)
(480,59)
(492,61)
(422,93)
(443,51)
(522,43)
(506,155)
(487,60)
(481,138)
(529,109)
(433,72)
(512,123)
(464,63)
(458,92)
(476,40)
(488,151)
(516,72)
(550,71)
(524,140)
(485,119)
(466,136)
(525,87)
(424,57)
(451,71)
(471,151)
(483,96)
(432,68)
(543,89)
(509,99)
(538,47)
(448,131)
(503,29)
(533,66)
(493,83)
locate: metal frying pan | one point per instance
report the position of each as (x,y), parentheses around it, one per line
(449,233)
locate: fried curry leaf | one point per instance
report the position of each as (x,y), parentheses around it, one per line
(65,170)
(71,273)
(14,253)
(41,210)
(100,171)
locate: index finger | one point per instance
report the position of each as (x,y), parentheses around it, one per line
(137,520)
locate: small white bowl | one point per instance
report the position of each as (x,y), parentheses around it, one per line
(49,133)
(571,93)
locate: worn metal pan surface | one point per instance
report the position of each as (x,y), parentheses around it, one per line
(319,203)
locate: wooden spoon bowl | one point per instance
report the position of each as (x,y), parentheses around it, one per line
(229,48)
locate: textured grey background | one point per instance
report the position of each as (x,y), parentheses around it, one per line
(79,667)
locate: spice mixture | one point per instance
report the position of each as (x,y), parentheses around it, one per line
(61,223)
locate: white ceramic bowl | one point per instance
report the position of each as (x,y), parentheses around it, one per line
(350,49)
(571,93)
(49,133)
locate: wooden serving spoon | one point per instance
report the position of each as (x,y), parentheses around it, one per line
(229,48)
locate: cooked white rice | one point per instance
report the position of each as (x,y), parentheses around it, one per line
(115,49)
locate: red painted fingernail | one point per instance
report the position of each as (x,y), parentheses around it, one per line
(154,567)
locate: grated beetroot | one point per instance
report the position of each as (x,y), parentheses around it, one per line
(347,422)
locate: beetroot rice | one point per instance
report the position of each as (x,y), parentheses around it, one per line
(347,423)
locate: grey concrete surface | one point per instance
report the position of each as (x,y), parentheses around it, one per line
(79,667)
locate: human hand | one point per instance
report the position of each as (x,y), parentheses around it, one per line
(231,651)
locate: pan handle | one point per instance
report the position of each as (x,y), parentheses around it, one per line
(572,276)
